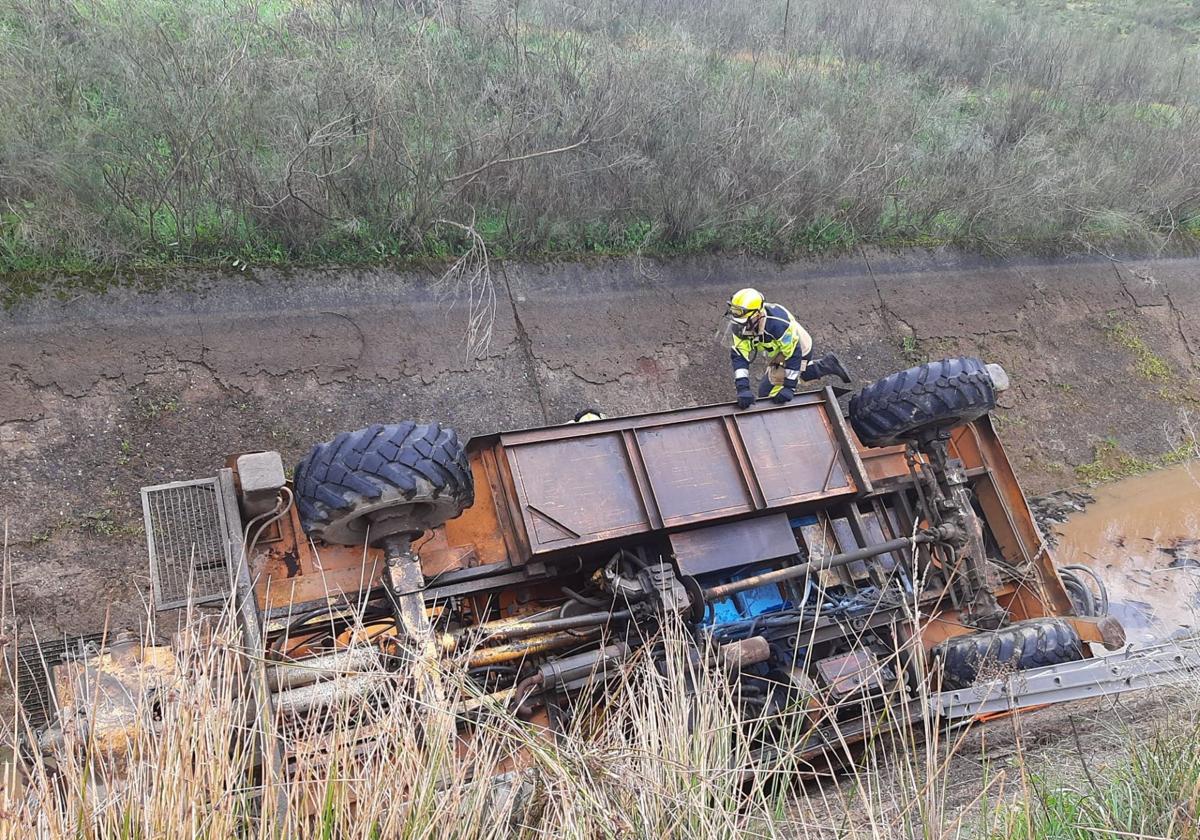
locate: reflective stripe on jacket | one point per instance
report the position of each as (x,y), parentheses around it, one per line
(783,342)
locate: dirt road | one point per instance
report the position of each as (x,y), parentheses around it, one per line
(100,395)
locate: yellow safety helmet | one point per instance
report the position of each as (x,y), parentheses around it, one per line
(743,304)
(588,415)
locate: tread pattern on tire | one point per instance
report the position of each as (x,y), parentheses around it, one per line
(936,395)
(407,460)
(1026,644)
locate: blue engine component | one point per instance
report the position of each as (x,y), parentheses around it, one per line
(743,605)
(752,603)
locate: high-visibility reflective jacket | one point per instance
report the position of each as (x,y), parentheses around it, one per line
(783,342)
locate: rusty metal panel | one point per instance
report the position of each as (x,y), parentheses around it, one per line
(966,447)
(884,463)
(795,454)
(485,528)
(850,673)
(1006,509)
(581,489)
(734,544)
(847,542)
(693,471)
(846,440)
(584,483)
(874,531)
(820,544)
(288,570)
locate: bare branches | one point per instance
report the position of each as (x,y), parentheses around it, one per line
(469,279)
(350,129)
(504,161)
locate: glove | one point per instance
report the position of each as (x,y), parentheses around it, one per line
(745,396)
(784,396)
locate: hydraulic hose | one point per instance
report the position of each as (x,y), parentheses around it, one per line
(594,603)
(1082,594)
(1102,590)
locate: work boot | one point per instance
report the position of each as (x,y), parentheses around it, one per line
(837,369)
(827,365)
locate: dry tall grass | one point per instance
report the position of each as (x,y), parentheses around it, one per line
(670,752)
(658,760)
(653,763)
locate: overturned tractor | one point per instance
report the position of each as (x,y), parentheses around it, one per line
(819,565)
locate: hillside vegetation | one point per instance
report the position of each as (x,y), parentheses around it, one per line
(156,132)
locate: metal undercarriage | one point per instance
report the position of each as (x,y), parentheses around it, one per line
(819,573)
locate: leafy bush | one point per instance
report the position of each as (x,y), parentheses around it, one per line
(329,130)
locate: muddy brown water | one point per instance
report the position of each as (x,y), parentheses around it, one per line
(1142,536)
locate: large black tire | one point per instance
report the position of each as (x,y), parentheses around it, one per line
(1027,644)
(416,474)
(929,398)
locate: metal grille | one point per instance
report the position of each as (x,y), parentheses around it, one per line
(33,665)
(186,537)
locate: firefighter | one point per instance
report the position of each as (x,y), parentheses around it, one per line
(769,329)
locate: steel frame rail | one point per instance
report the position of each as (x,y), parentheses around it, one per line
(1132,669)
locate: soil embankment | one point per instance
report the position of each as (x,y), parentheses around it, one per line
(100,395)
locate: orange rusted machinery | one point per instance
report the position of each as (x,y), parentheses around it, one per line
(817,560)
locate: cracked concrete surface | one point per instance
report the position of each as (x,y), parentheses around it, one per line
(102,395)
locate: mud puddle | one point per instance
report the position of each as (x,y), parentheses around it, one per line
(1142,536)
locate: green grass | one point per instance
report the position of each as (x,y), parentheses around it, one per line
(1110,462)
(1153,791)
(103,522)
(1148,365)
(1178,18)
(152,405)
